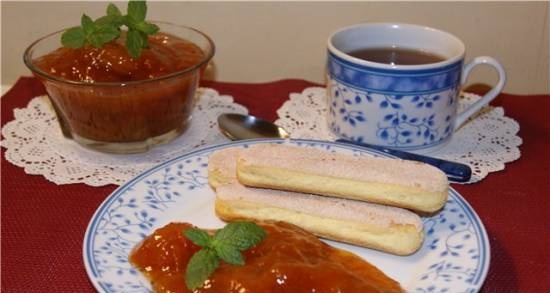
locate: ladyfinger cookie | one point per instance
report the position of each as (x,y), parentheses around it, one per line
(384,228)
(222,167)
(407,184)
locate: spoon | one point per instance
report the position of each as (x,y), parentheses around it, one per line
(237,127)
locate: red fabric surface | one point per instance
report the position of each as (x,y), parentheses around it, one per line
(43,224)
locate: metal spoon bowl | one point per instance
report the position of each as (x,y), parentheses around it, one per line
(237,127)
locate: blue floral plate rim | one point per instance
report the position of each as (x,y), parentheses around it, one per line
(474,277)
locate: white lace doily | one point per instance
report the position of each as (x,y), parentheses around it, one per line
(486,142)
(33,140)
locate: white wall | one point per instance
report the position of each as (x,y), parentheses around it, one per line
(266,41)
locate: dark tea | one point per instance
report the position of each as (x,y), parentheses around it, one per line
(396,56)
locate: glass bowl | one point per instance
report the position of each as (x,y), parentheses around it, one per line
(123,117)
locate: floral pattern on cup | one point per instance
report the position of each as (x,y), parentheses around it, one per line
(397,120)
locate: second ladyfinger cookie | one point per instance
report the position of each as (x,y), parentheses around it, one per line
(394,182)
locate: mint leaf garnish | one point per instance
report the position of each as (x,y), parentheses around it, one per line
(107,28)
(137,10)
(103,35)
(230,255)
(112,10)
(145,40)
(198,236)
(239,235)
(226,245)
(201,265)
(113,18)
(73,38)
(87,24)
(135,21)
(95,33)
(134,42)
(147,28)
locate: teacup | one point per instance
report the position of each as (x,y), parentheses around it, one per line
(407,107)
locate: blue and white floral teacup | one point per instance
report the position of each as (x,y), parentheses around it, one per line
(407,107)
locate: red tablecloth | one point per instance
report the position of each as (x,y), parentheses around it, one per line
(43,224)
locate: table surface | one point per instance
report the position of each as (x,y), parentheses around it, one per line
(43,224)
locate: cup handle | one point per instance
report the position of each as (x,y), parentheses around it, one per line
(488,97)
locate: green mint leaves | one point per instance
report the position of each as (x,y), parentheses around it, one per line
(107,28)
(95,33)
(137,10)
(138,28)
(201,265)
(114,17)
(225,245)
(73,38)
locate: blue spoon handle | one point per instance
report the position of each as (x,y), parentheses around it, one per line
(456,172)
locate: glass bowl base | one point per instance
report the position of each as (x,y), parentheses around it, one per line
(133,147)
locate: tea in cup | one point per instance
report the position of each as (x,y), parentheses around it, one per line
(397,85)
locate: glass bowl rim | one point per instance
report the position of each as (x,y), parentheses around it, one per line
(28,62)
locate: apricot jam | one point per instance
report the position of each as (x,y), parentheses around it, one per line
(289,259)
(111,63)
(109,101)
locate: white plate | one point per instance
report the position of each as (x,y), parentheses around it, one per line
(454,256)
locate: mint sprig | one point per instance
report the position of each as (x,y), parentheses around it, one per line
(113,17)
(226,245)
(107,28)
(138,28)
(89,32)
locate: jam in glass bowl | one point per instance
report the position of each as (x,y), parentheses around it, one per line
(108,101)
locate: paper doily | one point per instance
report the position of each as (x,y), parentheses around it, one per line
(486,142)
(33,140)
